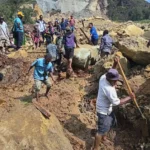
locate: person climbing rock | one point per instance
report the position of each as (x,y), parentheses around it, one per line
(106,44)
(42,26)
(69,41)
(1,76)
(93,33)
(4,36)
(107,98)
(43,67)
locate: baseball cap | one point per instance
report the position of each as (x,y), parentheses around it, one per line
(113,75)
(20,13)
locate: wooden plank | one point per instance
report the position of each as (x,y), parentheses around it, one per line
(45,112)
(86,36)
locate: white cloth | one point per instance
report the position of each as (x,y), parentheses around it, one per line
(107,97)
(4,30)
(42,26)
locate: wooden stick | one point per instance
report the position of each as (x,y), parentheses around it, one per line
(129,89)
(86,36)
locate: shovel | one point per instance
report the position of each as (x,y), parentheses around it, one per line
(128,86)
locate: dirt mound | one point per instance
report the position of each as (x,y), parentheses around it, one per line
(14,71)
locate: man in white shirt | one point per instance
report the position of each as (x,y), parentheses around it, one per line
(4,35)
(107,98)
(42,26)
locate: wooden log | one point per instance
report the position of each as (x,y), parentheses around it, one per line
(45,112)
(86,36)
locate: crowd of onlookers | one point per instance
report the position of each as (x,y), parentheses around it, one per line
(44,33)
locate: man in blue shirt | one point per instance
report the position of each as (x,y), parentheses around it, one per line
(18,30)
(43,67)
(63,25)
(93,33)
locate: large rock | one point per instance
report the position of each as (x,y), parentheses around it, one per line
(135,48)
(103,65)
(85,55)
(81,57)
(131,30)
(25,128)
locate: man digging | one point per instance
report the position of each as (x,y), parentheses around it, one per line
(43,67)
(107,97)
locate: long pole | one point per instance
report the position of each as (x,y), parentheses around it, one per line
(129,89)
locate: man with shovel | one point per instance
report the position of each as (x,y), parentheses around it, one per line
(107,98)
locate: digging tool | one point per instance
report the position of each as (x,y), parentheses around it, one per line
(128,86)
(86,36)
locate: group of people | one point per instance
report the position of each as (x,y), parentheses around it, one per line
(13,38)
(46,31)
(66,42)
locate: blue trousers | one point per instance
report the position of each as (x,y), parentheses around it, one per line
(19,39)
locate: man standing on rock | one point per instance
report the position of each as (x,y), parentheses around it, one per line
(43,67)
(18,30)
(107,98)
(93,33)
(69,41)
(106,44)
(42,27)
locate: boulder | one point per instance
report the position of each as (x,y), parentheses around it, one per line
(81,57)
(28,129)
(94,52)
(131,30)
(135,48)
(103,65)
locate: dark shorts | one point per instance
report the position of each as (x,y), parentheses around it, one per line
(105,122)
(69,52)
(94,41)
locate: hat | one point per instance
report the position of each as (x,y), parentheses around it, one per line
(68,29)
(20,13)
(112,74)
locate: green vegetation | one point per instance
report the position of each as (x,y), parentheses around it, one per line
(124,10)
(9,9)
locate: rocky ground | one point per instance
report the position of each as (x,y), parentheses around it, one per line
(73,119)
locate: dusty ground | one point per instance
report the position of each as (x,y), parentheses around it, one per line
(69,100)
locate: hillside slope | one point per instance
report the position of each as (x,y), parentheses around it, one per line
(128,10)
